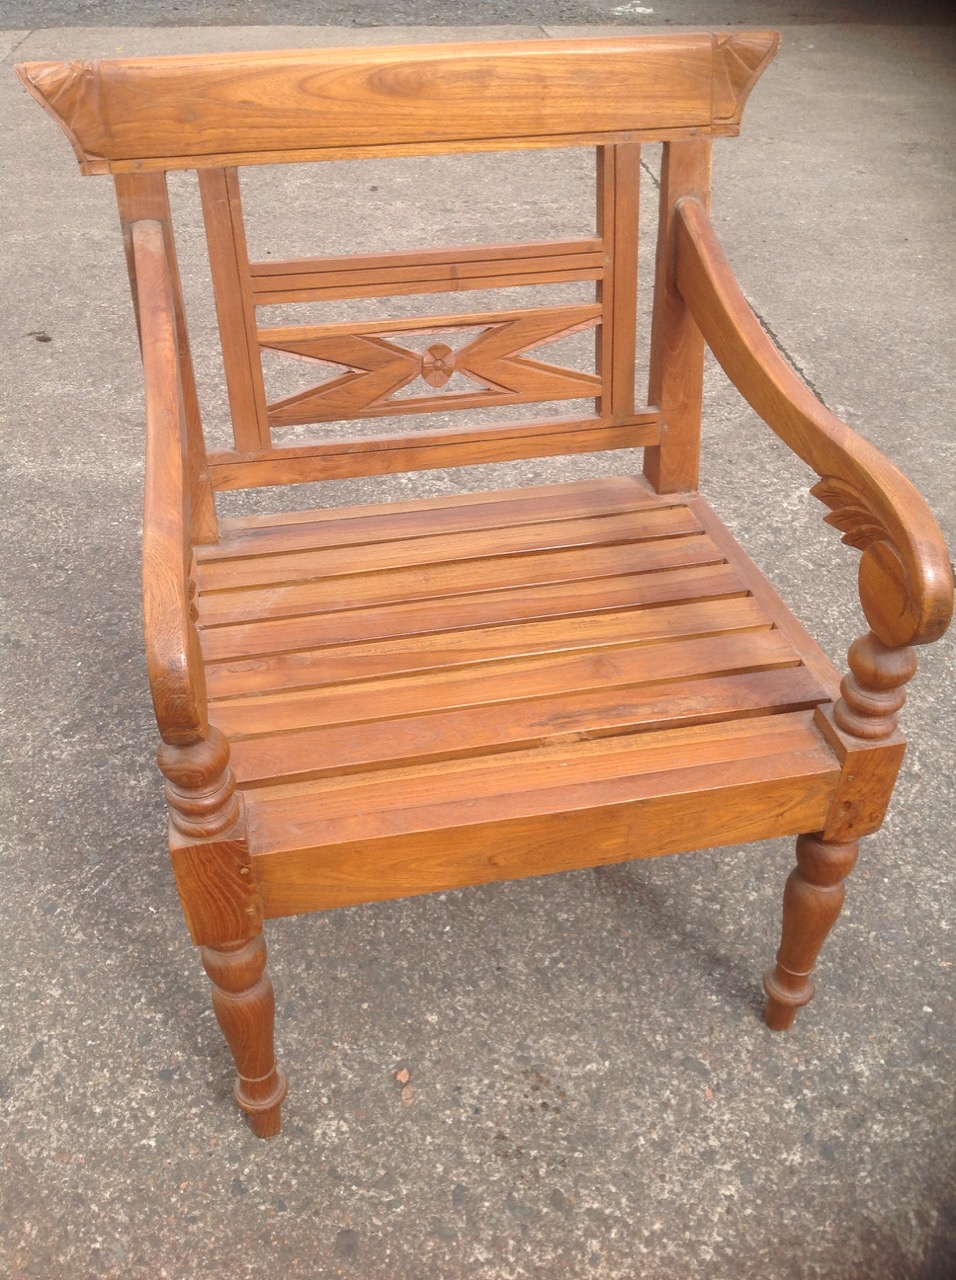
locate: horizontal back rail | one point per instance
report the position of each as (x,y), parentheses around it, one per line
(130,114)
(386,275)
(454,447)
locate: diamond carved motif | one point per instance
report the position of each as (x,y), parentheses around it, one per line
(377,369)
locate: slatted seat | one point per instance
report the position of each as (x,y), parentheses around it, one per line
(375,701)
(394,680)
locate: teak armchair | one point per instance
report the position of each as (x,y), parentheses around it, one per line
(379,701)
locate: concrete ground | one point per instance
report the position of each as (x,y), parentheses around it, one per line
(594,1094)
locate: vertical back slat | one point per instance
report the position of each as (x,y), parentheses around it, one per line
(232,282)
(676,379)
(618,206)
(145,196)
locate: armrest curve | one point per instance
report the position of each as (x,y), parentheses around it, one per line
(174,660)
(906,580)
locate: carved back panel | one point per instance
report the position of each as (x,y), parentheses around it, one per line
(137,118)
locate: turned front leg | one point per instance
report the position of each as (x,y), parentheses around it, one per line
(244,1002)
(812,901)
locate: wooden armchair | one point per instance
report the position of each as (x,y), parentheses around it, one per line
(378,701)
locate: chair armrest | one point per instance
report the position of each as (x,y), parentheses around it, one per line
(906,580)
(173,656)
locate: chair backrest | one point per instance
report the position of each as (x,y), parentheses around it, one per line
(138,118)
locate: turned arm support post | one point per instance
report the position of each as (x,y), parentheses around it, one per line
(905,579)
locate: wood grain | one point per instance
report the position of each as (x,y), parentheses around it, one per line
(780,782)
(695,642)
(244,1004)
(186,112)
(420,450)
(813,899)
(145,197)
(173,656)
(571,566)
(427,517)
(618,211)
(229,262)
(676,376)
(472,544)
(542,499)
(240,629)
(472,731)
(404,703)
(384,275)
(378,367)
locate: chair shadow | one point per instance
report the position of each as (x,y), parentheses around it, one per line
(663,914)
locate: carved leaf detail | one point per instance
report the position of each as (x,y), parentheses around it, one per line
(850,513)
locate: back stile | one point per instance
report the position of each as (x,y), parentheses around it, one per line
(232,282)
(373,455)
(676,379)
(145,196)
(618,190)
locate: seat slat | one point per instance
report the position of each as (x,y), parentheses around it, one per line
(374,525)
(304,566)
(515,680)
(459,578)
(340,749)
(243,645)
(231,525)
(549,779)
(341,664)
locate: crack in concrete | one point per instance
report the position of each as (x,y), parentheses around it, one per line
(791,361)
(768,329)
(18,45)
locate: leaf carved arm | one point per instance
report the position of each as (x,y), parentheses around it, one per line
(906,582)
(905,577)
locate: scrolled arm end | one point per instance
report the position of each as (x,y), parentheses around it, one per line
(905,579)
